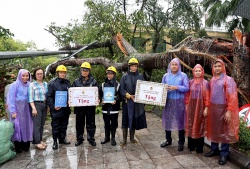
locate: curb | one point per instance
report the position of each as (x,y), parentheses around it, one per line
(239,159)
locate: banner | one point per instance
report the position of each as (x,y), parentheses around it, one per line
(151,93)
(83,96)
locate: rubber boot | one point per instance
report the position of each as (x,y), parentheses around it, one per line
(113,142)
(55,144)
(107,136)
(132,136)
(125,135)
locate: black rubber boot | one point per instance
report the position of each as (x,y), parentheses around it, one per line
(132,136)
(55,144)
(64,141)
(18,146)
(200,145)
(113,142)
(107,136)
(191,144)
(125,135)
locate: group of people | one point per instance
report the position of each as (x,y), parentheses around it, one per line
(198,109)
(29,101)
(195,108)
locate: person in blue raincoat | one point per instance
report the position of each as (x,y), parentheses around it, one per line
(174,111)
(133,114)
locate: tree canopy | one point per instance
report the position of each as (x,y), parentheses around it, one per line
(222,11)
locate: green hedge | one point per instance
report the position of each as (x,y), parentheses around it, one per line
(244,134)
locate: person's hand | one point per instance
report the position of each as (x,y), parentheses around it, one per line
(13,115)
(132,97)
(57,108)
(114,102)
(169,88)
(205,112)
(34,112)
(228,116)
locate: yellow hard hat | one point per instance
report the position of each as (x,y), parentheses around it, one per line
(111,68)
(86,65)
(133,61)
(61,68)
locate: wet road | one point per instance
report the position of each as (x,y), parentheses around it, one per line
(146,154)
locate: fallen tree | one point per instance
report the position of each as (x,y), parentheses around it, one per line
(190,51)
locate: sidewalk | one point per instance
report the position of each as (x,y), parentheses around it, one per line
(146,154)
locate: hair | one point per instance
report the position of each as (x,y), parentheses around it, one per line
(34,73)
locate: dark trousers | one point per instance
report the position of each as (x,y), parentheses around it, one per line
(196,144)
(224,151)
(110,121)
(181,134)
(19,146)
(59,126)
(38,122)
(90,124)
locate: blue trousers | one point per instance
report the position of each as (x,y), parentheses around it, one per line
(224,151)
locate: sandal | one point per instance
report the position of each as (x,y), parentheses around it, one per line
(40,146)
(44,144)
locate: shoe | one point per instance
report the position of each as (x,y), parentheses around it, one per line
(191,149)
(40,146)
(105,141)
(222,160)
(107,136)
(166,143)
(92,142)
(64,141)
(78,143)
(132,136)
(124,138)
(199,150)
(180,147)
(113,142)
(44,144)
(18,150)
(212,153)
(55,145)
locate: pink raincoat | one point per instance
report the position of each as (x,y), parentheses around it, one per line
(196,100)
(223,98)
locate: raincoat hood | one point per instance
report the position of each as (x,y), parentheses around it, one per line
(176,60)
(223,66)
(202,71)
(19,77)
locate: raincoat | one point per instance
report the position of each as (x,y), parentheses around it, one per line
(133,114)
(174,111)
(196,100)
(18,103)
(85,112)
(223,98)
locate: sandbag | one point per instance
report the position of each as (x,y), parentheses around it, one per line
(6,146)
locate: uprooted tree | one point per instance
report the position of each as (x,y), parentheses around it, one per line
(190,51)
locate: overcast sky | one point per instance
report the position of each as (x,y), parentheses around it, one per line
(28,18)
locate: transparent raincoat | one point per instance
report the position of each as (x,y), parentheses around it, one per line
(18,103)
(223,98)
(196,100)
(174,111)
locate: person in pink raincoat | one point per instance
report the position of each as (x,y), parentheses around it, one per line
(223,117)
(197,101)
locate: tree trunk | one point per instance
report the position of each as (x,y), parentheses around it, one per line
(241,66)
